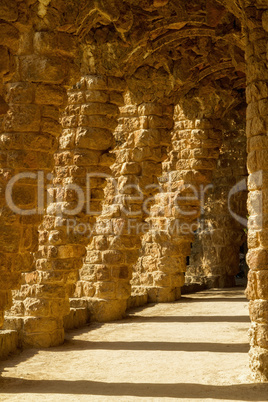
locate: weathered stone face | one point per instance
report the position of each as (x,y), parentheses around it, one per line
(139,94)
(256,57)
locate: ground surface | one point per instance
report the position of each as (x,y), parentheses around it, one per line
(191,350)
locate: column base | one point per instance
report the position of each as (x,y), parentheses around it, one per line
(106,310)
(5,304)
(258,363)
(42,332)
(9,341)
(163,294)
(220,282)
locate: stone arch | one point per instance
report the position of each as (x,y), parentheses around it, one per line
(46,42)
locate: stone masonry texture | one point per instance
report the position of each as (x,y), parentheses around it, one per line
(133,160)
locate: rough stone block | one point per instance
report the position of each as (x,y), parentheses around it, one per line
(9,10)
(116,84)
(44,70)
(145,138)
(77,318)
(50,95)
(147,109)
(99,109)
(9,343)
(105,290)
(48,43)
(96,82)
(4,60)
(161,295)
(116,98)
(86,158)
(131,169)
(93,138)
(22,118)
(258,310)
(9,36)
(20,92)
(112,257)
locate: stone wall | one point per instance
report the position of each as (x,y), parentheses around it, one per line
(257,123)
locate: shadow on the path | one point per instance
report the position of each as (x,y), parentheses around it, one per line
(189,318)
(212,299)
(16,358)
(77,344)
(208,297)
(241,392)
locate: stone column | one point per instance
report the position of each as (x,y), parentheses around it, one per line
(214,259)
(257,126)
(9,44)
(29,138)
(105,276)
(33,87)
(87,135)
(35,93)
(173,219)
(7,280)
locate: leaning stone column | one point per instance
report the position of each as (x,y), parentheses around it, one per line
(214,259)
(106,273)
(29,138)
(173,219)
(6,275)
(87,136)
(9,236)
(34,89)
(257,126)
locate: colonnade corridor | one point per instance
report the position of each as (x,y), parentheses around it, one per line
(195,349)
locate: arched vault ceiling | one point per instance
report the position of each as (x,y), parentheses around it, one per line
(195,42)
(122,36)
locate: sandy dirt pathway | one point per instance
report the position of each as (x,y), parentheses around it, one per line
(191,350)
